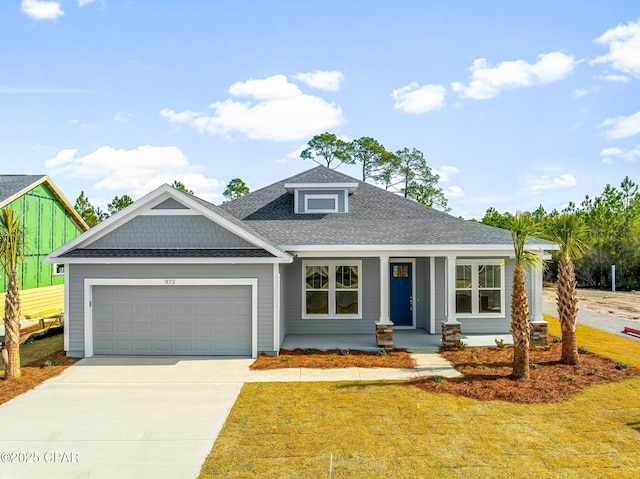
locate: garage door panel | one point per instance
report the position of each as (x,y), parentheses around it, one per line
(177,320)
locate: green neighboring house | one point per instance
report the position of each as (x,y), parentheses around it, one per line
(50,221)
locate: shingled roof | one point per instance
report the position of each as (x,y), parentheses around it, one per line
(12,184)
(375,217)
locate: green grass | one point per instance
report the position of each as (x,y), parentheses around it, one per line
(393,430)
(40,349)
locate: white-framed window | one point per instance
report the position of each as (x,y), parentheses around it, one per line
(480,288)
(331,289)
(58,269)
(316,203)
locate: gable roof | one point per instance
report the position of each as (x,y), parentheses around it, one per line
(14,186)
(375,217)
(74,251)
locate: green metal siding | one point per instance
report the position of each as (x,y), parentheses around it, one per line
(48,226)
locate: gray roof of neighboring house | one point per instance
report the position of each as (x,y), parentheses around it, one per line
(375,216)
(12,184)
(168,253)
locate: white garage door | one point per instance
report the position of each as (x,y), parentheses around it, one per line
(177,320)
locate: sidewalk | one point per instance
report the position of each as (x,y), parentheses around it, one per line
(606,323)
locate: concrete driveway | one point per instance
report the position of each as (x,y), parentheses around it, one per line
(119,418)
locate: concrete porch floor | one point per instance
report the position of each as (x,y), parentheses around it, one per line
(412,339)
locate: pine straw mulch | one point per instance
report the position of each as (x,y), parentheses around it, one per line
(334,359)
(486,373)
(33,374)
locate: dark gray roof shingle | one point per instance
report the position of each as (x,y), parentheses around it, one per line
(12,184)
(375,217)
(168,253)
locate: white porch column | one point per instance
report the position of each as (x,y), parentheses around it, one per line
(536,294)
(384,290)
(451,289)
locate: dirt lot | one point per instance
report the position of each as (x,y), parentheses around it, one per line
(621,304)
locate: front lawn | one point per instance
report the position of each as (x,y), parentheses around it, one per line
(395,430)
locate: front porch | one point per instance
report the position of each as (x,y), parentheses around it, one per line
(412,339)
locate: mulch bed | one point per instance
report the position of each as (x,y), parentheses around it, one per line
(334,358)
(33,374)
(486,373)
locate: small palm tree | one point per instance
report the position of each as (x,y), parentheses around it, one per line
(12,240)
(522,226)
(569,231)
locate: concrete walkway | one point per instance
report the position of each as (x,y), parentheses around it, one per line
(610,324)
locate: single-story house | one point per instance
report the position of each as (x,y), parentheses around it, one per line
(48,221)
(317,253)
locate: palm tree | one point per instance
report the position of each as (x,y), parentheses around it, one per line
(12,240)
(521,226)
(568,230)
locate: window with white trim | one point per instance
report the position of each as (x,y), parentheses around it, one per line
(331,289)
(58,269)
(321,203)
(480,288)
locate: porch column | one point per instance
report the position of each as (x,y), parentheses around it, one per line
(384,290)
(451,290)
(538,324)
(451,328)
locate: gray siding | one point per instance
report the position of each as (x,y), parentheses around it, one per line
(170,204)
(283,301)
(302,194)
(79,272)
(370,277)
(189,231)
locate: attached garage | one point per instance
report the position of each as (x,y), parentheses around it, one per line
(176,320)
(171,317)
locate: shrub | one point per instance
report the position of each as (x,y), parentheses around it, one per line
(48,363)
(438,379)
(534,366)
(344,352)
(381,352)
(499,344)
(621,366)
(556,339)
(582,350)
(308,351)
(286,359)
(481,366)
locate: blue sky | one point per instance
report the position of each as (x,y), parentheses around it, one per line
(515,104)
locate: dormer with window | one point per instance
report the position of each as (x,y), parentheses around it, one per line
(321,198)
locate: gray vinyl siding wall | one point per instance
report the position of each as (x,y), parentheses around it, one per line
(283,301)
(370,284)
(170,231)
(304,193)
(79,272)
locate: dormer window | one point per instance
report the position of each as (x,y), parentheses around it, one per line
(321,198)
(317,203)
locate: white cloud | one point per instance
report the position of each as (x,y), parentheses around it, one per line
(41,10)
(322,80)
(82,3)
(624,48)
(612,77)
(446,172)
(293,155)
(579,93)
(454,192)
(414,98)
(546,182)
(122,116)
(631,156)
(488,81)
(279,111)
(135,172)
(622,126)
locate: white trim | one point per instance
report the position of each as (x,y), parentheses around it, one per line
(349,186)
(412,249)
(65,329)
(451,289)
(384,290)
(144,205)
(475,308)
(536,294)
(333,197)
(332,288)
(413,289)
(276,307)
(104,260)
(89,283)
(55,269)
(432,295)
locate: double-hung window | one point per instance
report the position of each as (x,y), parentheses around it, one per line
(331,289)
(480,288)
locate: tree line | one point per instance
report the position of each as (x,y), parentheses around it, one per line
(610,231)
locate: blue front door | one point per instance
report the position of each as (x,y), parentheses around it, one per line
(401,294)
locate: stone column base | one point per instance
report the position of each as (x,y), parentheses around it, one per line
(384,335)
(539,334)
(450,333)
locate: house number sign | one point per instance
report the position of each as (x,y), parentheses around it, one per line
(169,281)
